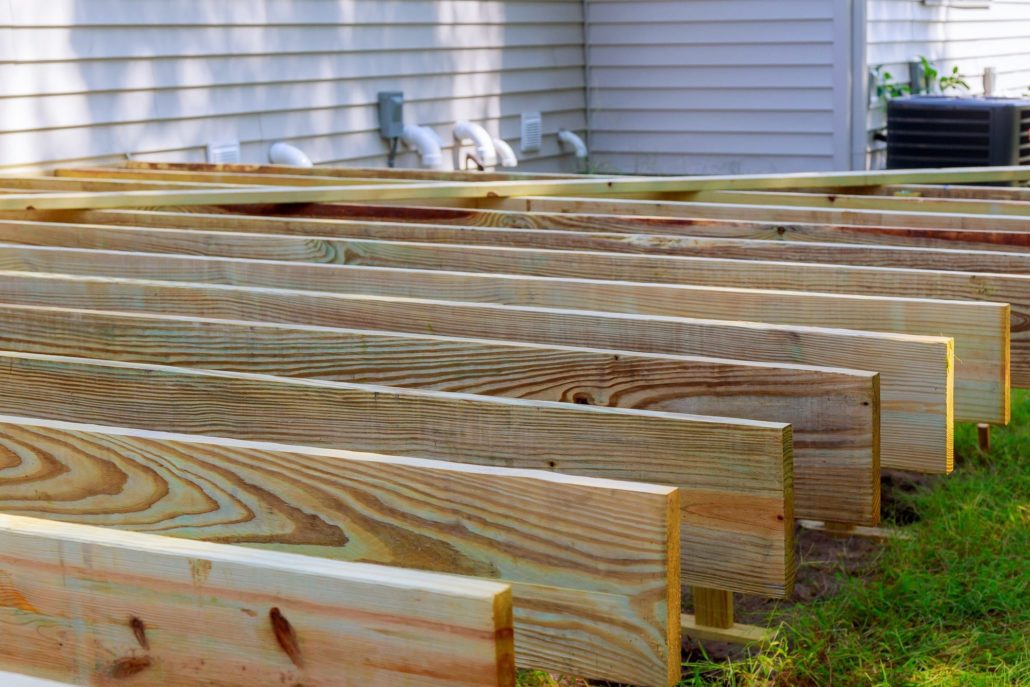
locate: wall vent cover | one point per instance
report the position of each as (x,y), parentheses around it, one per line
(223,153)
(532,132)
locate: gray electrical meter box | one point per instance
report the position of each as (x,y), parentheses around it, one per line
(391,114)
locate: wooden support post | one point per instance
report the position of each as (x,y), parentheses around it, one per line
(713,620)
(983,435)
(713,607)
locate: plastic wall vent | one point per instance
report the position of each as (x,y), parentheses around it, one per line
(223,153)
(532,132)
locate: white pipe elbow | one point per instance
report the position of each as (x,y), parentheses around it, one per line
(567,139)
(426,142)
(284,154)
(505,155)
(486,153)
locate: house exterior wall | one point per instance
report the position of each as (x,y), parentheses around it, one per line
(94,80)
(969,34)
(719,86)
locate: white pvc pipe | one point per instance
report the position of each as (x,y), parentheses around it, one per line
(426,142)
(486,153)
(568,139)
(506,156)
(284,154)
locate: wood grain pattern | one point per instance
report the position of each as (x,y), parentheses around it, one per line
(746,550)
(97,606)
(314,219)
(264,239)
(611,546)
(628,223)
(916,373)
(907,204)
(980,330)
(11,184)
(758,212)
(671,286)
(835,413)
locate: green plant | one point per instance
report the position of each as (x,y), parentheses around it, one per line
(932,77)
(886,87)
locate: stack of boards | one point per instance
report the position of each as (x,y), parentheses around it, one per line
(268,425)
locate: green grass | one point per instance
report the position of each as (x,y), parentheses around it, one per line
(948,607)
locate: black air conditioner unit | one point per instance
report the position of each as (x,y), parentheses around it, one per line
(937,131)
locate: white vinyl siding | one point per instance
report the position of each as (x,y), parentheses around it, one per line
(93,80)
(719,86)
(994,34)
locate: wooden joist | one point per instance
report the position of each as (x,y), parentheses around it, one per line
(577,551)
(97,606)
(347,172)
(846,182)
(980,330)
(835,413)
(220,177)
(760,228)
(902,203)
(718,463)
(43,184)
(602,186)
(740,212)
(393,221)
(670,286)
(916,373)
(1021,193)
(285,239)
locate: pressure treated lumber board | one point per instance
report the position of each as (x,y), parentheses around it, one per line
(835,413)
(336,242)
(761,228)
(605,186)
(861,202)
(348,172)
(980,330)
(930,191)
(761,213)
(577,551)
(97,606)
(223,177)
(1021,193)
(916,373)
(719,463)
(42,184)
(312,219)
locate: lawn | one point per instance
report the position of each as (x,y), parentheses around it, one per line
(948,606)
